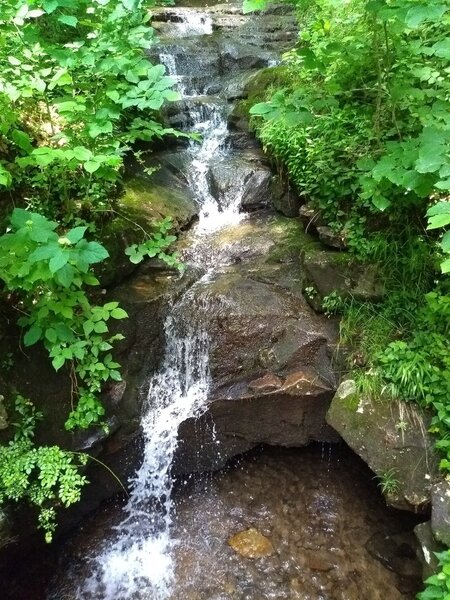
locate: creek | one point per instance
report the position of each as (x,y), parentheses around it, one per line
(329,534)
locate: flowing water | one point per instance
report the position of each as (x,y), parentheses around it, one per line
(136,561)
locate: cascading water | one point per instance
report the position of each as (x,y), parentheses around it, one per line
(137,563)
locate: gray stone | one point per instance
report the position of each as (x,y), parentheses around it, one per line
(285,200)
(246,175)
(270,354)
(427,548)
(331,238)
(391,437)
(310,217)
(440,512)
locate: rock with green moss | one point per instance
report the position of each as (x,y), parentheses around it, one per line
(328,271)
(392,438)
(144,203)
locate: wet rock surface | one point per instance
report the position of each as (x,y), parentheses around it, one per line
(270,355)
(393,439)
(318,509)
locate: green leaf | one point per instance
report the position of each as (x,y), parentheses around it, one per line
(92,252)
(66,275)
(438,221)
(119,313)
(32,335)
(5,177)
(50,334)
(50,6)
(88,327)
(91,166)
(445,242)
(22,140)
(58,260)
(76,234)
(417,15)
(97,128)
(82,154)
(100,327)
(445,266)
(58,362)
(69,20)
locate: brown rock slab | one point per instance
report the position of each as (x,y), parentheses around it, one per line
(251,543)
(267,383)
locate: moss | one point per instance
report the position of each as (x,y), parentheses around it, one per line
(266,79)
(351,402)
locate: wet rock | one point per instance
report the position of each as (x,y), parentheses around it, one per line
(320,560)
(329,272)
(428,546)
(235,55)
(391,437)
(247,176)
(398,553)
(144,203)
(285,200)
(440,512)
(6,535)
(310,217)
(266,383)
(251,543)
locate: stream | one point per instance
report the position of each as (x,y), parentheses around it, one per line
(328,533)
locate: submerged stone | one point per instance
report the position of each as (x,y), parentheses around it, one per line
(251,543)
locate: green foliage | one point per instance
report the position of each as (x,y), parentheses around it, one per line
(156,246)
(438,585)
(50,273)
(419,368)
(439,218)
(78,91)
(44,476)
(388,482)
(363,130)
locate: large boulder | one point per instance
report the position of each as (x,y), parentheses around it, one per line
(391,437)
(327,271)
(270,354)
(146,201)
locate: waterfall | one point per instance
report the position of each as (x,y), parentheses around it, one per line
(137,562)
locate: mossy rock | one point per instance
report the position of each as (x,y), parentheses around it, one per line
(331,271)
(256,90)
(142,205)
(392,438)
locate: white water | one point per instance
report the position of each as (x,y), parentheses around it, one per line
(136,563)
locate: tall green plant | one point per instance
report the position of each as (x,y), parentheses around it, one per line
(50,272)
(82,92)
